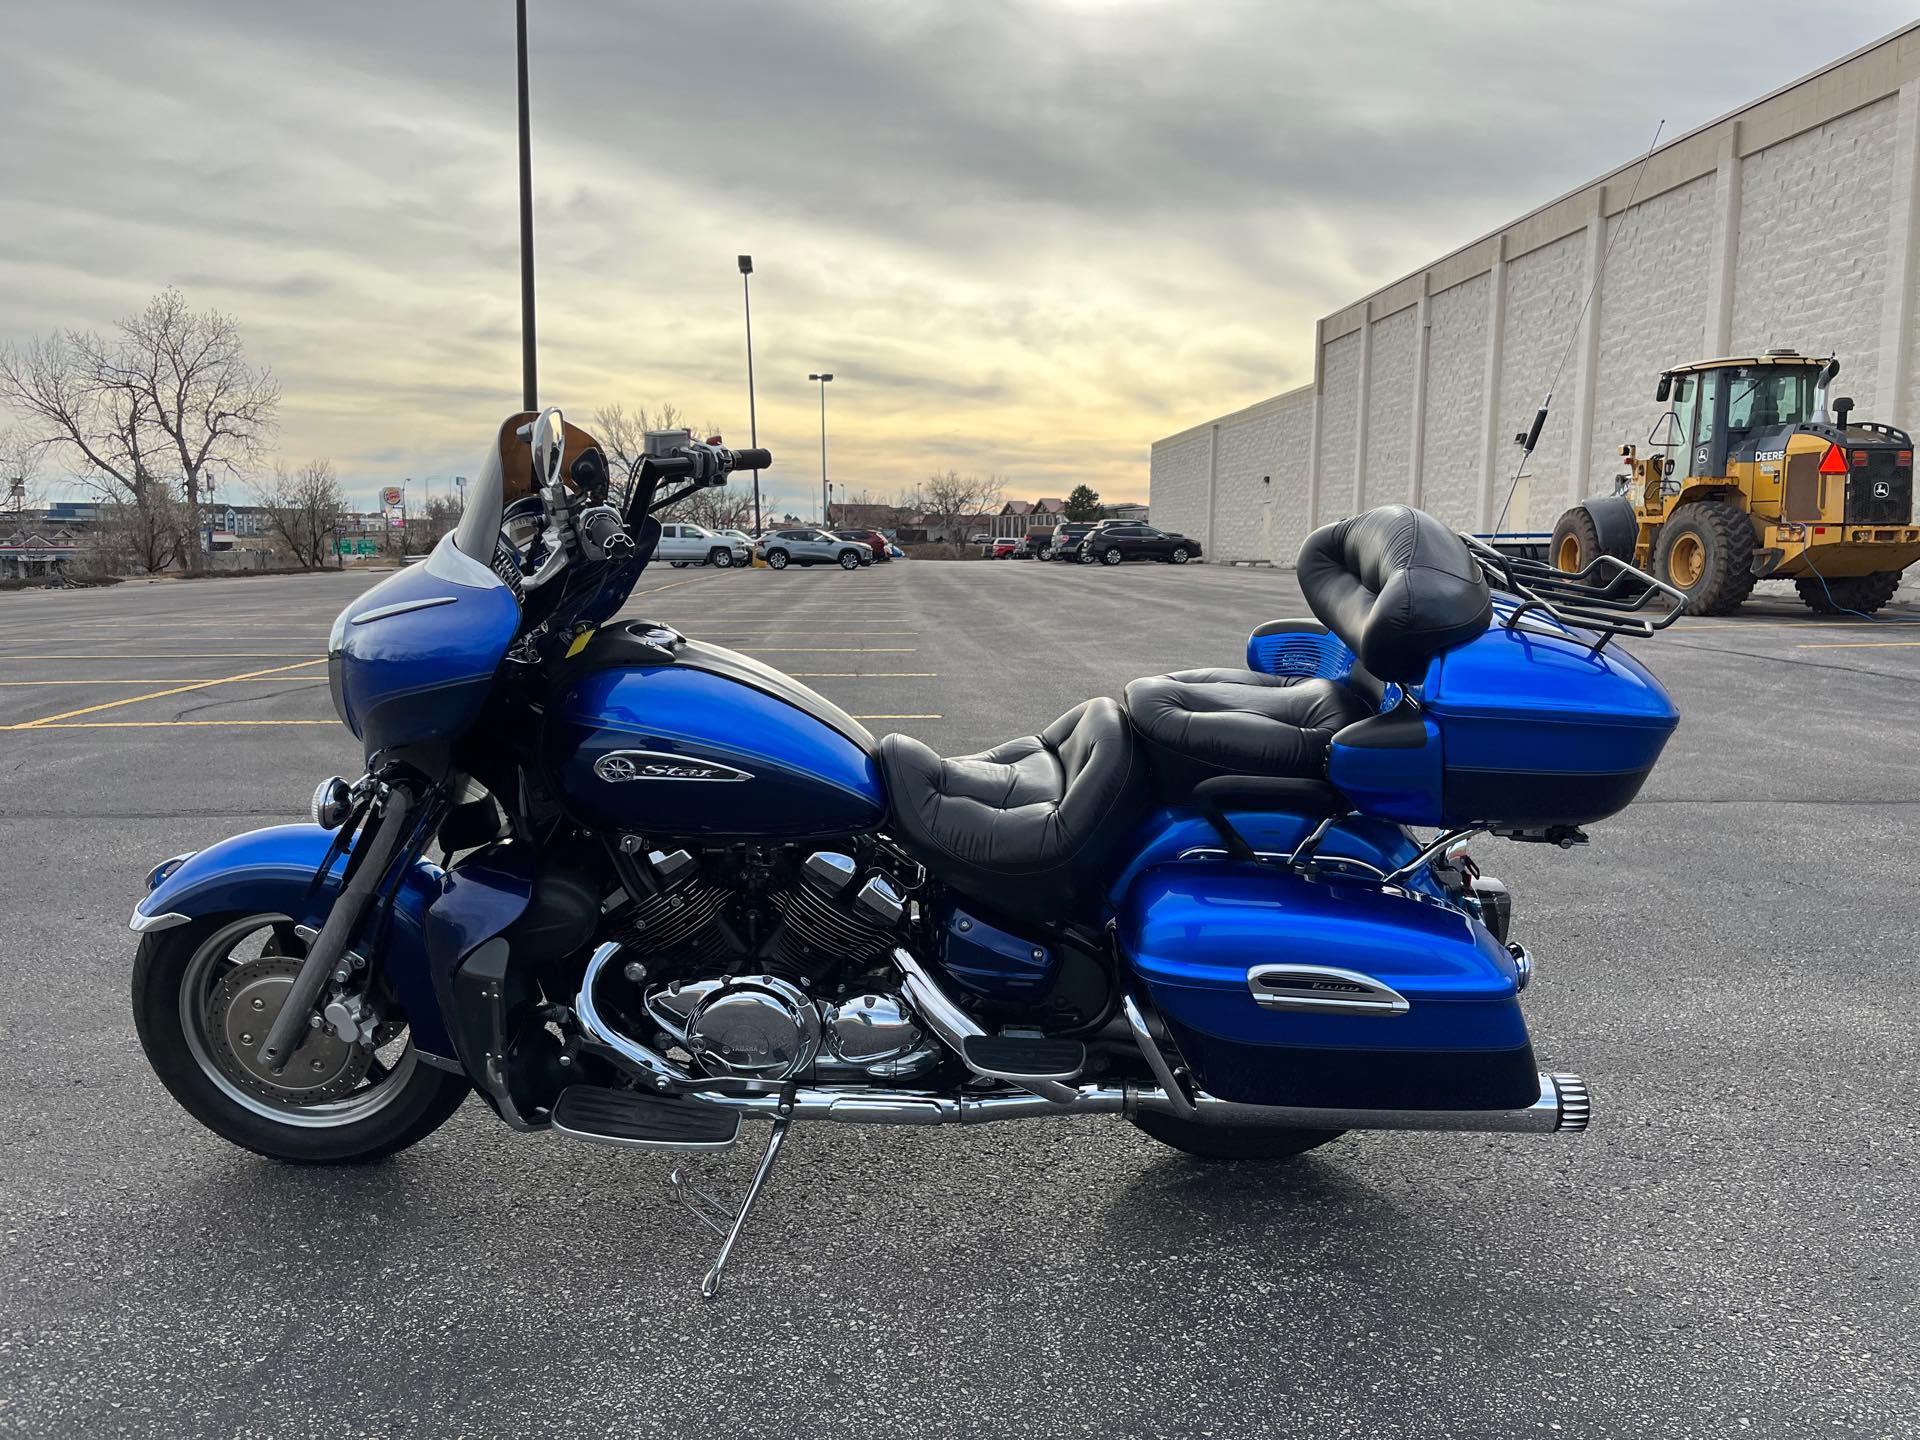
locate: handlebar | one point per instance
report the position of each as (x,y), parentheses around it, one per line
(711,461)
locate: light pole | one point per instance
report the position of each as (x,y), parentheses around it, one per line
(826,509)
(753,419)
(529,380)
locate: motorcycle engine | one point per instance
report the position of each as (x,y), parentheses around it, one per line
(769,963)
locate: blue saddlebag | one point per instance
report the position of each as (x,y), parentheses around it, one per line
(1206,937)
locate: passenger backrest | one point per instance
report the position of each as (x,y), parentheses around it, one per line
(1398,586)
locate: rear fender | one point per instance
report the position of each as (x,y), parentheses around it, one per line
(275,871)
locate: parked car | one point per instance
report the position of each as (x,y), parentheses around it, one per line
(1033,546)
(781,548)
(872,539)
(1003,548)
(682,545)
(981,539)
(1111,544)
(1066,539)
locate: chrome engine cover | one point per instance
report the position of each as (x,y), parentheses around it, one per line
(755,1027)
(877,1035)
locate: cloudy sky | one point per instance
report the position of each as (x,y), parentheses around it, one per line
(1026,237)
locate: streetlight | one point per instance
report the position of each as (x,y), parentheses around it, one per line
(753,420)
(826,508)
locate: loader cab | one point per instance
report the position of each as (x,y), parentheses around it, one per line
(1724,411)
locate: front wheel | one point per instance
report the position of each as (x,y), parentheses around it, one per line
(204,996)
(1706,550)
(1211,1140)
(1179,556)
(849,560)
(720,558)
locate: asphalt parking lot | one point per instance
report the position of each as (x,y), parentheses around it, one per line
(1729,1251)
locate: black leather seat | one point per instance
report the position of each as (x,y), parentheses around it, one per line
(1202,723)
(1398,586)
(1026,827)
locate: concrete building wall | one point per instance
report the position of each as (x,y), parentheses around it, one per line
(1386,476)
(1455,421)
(1794,221)
(1658,321)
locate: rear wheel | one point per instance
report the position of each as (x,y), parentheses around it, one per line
(776,559)
(1863,594)
(678,564)
(1208,1140)
(204,996)
(720,557)
(1706,550)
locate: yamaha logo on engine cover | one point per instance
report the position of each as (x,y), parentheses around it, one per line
(618,765)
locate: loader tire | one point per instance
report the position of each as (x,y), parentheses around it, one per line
(1861,594)
(1706,550)
(1576,541)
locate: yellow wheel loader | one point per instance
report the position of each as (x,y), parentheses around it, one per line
(1749,477)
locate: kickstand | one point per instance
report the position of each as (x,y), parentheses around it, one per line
(712,1212)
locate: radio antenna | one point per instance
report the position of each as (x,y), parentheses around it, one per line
(529,373)
(1532,437)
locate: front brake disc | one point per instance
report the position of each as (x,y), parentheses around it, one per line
(240,1011)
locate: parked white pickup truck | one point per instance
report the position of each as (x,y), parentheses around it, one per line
(682,545)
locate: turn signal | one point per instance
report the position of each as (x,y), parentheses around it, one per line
(1834,462)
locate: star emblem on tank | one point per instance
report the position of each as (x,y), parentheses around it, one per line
(620,765)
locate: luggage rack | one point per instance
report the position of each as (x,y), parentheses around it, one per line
(1608,597)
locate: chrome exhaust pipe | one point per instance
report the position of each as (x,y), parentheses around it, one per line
(1563,1104)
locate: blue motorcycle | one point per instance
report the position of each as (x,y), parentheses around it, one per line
(636,889)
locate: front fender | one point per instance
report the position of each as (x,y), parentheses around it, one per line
(277,871)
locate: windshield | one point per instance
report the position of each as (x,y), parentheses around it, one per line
(1771,396)
(486,498)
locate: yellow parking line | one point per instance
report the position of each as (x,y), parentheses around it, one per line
(159,695)
(153,724)
(205,655)
(138,680)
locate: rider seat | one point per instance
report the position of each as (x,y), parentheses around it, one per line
(1201,723)
(1029,825)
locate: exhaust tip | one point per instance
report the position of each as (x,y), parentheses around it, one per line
(1576,1105)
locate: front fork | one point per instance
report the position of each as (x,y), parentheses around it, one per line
(393,823)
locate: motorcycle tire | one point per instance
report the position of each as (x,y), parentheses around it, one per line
(1209,1141)
(426,1096)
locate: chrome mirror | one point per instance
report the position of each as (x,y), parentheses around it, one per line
(550,446)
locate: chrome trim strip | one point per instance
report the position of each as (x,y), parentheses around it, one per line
(149,924)
(403,607)
(1322,989)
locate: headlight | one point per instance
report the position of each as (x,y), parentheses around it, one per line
(332,803)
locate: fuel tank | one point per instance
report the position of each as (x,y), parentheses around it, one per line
(655,734)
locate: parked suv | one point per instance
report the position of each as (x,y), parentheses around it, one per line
(872,539)
(1033,545)
(683,545)
(781,548)
(1110,544)
(1066,539)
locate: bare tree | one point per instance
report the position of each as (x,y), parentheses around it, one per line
(145,534)
(167,403)
(188,371)
(726,508)
(105,433)
(303,507)
(953,501)
(623,434)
